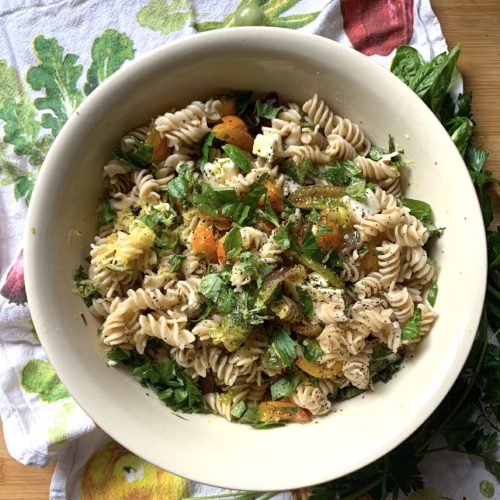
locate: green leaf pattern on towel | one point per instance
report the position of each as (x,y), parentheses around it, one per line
(39,377)
(166,16)
(31,125)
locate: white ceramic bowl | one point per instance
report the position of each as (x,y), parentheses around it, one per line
(207,448)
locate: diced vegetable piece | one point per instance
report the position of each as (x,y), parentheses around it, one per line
(283,411)
(318,197)
(274,196)
(328,235)
(318,371)
(332,277)
(204,242)
(233,130)
(221,253)
(272,281)
(160,148)
(307,329)
(230,334)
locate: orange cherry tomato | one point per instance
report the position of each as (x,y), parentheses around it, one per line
(233,130)
(221,253)
(283,411)
(160,148)
(274,195)
(329,235)
(204,242)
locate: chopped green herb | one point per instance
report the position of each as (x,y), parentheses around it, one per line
(239,157)
(411,329)
(312,350)
(137,160)
(232,242)
(268,213)
(433,291)
(282,349)
(357,188)
(298,172)
(309,246)
(211,199)
(178,188)
(117,354)
(265,110)
(285,386)
(210,286)
(239,409)
(204,314)
(84,319)
(86,287)
(107,213)
(341,172)
(306,302)
(175,261)
(206,144)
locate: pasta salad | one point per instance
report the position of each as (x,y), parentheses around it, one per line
(258,260)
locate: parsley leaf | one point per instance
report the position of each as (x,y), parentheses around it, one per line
(254,267)
(107,213)
(176,389)
(210,286)
(357,188)
(341,172)
(411,329)
(312,350)
(211,199)
(433,291)
(232,242)
(306,302)
(117,354)
(86,287)
(239,157)
(268,213)
(282,349)
(285,386)
(310,247)
(175,261)
(297,172)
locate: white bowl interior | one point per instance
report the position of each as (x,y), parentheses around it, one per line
(207,448)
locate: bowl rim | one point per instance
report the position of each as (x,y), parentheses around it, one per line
(35,288)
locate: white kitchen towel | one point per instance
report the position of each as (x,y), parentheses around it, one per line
(52,54)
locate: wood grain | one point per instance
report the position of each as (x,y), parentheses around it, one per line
(476,24)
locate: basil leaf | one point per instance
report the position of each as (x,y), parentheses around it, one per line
(475,158)
(464,104)
(237,211)
(107,213)
(137,160)
(116,354)
(432,79)
(265,110)
(211,199)
(357,188)
(239,157)
(419,209)
(411,329)
(242,101)
(206,143)
(178,188)
(312,350)
(460,129)
(232,243)
(175,261)
(406,62)
(210,286)
(433,291)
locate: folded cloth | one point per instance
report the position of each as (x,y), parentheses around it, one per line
(61,50)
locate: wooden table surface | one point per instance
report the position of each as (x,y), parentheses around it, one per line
(474,23)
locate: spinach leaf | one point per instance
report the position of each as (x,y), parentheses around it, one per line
(422,211)
(239,157)
(285,386)
(117,354)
